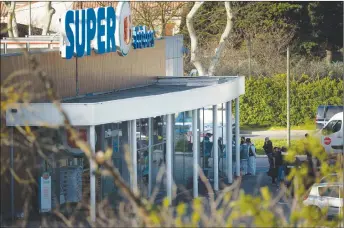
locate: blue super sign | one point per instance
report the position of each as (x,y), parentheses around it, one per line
(103,30)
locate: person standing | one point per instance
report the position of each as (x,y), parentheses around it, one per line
(244,157)
(234,158)
(268,148)
(251,157)
(279,165)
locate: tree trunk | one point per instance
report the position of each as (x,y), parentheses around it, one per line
(15,26)
(48,16)
(194,43)
(329,56)
(193,38)
(12,28)
(223,39)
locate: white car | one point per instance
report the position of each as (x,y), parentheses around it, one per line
(326,195)
(332,135)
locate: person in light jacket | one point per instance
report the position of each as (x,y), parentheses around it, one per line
(251,157)
(244,158)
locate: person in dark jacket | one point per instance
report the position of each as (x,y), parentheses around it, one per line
(242,140)
(279,165)
(268,148)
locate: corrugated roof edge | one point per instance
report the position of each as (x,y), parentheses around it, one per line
(152,82)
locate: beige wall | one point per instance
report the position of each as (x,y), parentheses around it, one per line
(96,73)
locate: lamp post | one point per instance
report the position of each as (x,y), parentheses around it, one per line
(288,97)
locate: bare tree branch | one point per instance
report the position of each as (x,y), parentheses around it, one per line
(48,16)
(193,38)
(11,20)
(223,38)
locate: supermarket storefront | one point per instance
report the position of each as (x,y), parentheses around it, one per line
(128,103)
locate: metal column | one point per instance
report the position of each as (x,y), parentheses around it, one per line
(199,136)
(133,146)
(150,155)
(229,142)
(237,136)
(102,147)
(195,151)
(92,175)
(216,149)
(169,143)
(12,178)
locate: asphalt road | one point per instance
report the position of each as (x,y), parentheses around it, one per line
(275,134)
(250,184)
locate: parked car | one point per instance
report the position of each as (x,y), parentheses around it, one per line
(326,195)
(332,134)
(325,113)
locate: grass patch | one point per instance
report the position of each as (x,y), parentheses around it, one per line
(309,125)
(259,143)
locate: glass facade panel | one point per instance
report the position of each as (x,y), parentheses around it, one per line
(183,146)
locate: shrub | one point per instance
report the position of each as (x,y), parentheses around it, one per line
(264,102)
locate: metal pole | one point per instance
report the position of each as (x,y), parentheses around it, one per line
(237,136)
(288,96)
(92,175)
(150,153)
(184,147)
(30,19)
(133,142)
(102,147)
(169,171)
(12,179)
(249,56)
(216,149)
(195,152)
(203,141)
(199,136)
(229,141)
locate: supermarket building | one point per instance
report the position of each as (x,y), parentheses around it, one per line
(117,100)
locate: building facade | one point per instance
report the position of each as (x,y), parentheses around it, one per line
(138,105)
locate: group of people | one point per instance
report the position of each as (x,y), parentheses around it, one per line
(277,167)
(248,157)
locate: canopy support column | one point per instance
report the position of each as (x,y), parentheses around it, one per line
(169,143)
(195,151)
(237,136)
(92,174)
(216,149)
(133,178)
(150,155)
(229,140)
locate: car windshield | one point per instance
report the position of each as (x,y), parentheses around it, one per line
(320,112)
(333,110)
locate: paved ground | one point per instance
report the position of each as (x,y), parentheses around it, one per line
(278,134)
(250,184)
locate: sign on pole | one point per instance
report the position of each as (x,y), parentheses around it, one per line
(45,192)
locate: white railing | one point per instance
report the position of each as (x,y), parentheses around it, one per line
(32,42)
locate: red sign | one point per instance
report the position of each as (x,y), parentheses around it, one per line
(327,141)
(45,176)
(82,135)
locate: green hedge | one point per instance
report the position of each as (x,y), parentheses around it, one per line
(265,103)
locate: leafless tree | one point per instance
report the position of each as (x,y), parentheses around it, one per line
(49,12)
(194,42)
(156,15)
(11,19)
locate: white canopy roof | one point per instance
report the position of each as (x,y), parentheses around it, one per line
(167,95)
